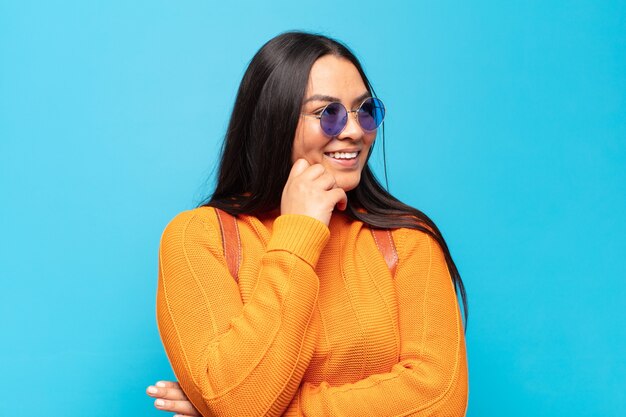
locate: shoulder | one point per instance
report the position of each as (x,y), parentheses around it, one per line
(408,241)
(202,214)
(197,224)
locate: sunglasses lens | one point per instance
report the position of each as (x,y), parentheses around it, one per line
(333,119)
(371,114)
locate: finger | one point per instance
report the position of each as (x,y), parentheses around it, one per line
(168,384)
(326,181)
(298,167)
(341,199)
(313,172)
(179,407)
(166,393)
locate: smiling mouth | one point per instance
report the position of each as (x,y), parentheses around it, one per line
(346,156)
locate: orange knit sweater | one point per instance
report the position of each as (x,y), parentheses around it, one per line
(316,326)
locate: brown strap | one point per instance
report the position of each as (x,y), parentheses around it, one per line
(384,242)
(230,241)
(232,244)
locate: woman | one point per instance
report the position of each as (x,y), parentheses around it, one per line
(315,322)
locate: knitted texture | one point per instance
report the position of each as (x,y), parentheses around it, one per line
(316,326)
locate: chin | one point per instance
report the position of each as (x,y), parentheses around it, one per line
(349,184)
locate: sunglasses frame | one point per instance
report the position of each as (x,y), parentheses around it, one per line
(356,117)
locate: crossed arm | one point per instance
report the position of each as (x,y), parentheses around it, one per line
(431,374)
(170,397)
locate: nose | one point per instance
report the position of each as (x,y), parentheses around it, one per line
(353,128)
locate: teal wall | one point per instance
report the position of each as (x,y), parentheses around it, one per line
(506,124)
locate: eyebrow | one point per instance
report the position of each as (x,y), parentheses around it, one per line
(330,99)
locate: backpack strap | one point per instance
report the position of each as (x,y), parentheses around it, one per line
(384,242)
(230,242)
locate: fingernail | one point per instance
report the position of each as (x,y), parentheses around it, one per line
(160,384)
(152,390)
(159,403)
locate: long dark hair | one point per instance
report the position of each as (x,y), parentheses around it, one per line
(257,150)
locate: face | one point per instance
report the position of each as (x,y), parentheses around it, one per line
(334,79)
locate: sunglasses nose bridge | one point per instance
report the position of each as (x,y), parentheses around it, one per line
(352,128)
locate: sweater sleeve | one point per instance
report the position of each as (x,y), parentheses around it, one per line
(230,358)
(430,378)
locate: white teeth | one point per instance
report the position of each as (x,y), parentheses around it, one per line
(343,155)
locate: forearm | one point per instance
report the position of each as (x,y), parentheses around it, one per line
(415,387)
(250,361)
(430,375)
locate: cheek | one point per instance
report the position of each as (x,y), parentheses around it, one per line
(307,144)
(295,151)
(298,143)
(370,137)
(368,142)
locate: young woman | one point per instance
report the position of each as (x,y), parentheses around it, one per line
(315,321)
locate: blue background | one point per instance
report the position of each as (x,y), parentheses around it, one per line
(506,124)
